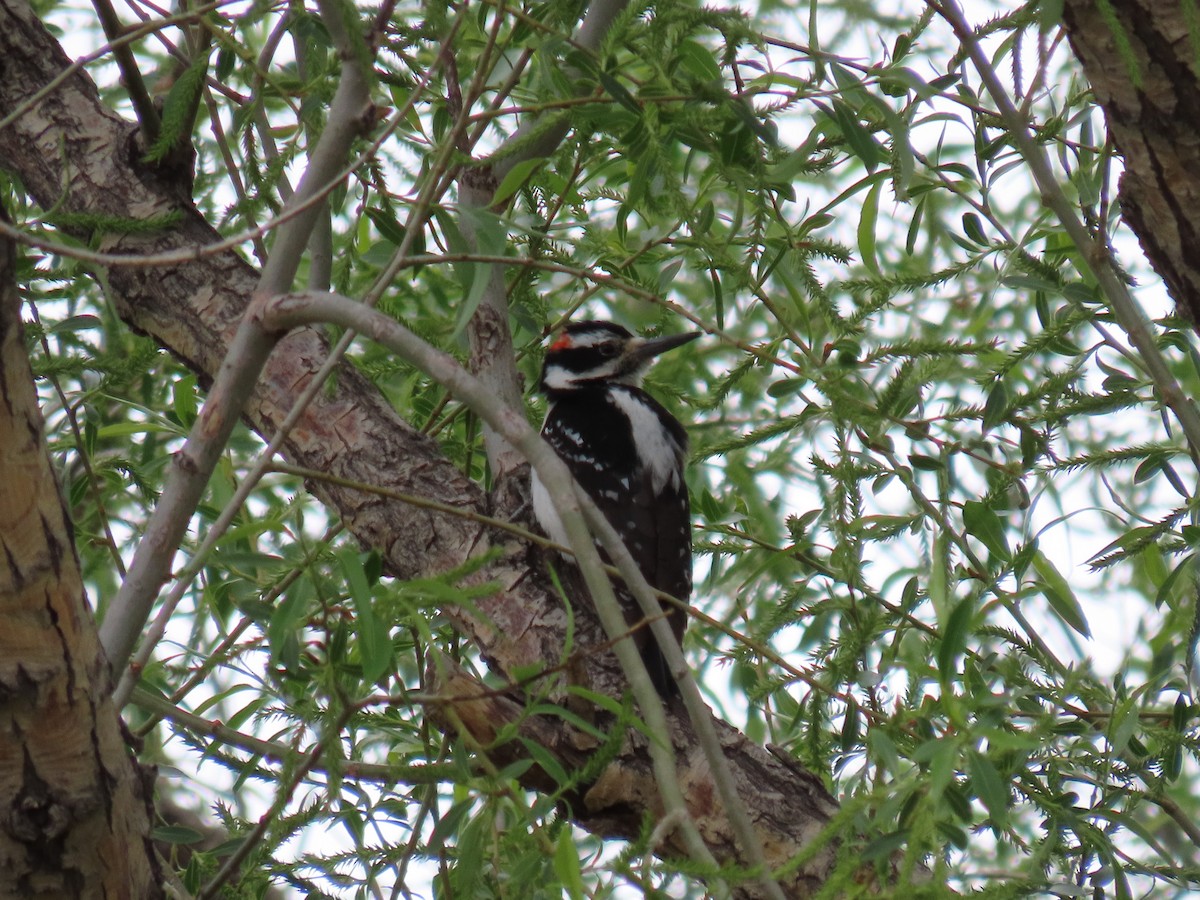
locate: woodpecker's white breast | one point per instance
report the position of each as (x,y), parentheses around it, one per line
(546,514)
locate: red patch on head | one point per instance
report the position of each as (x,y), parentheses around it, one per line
(562,342)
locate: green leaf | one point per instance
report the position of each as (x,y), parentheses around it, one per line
(786,387)
(389,226)
(548,762)
(449,823)
(974,229)
(617,91)
(72,324)
(866,230)
(860,139)
(698,61)
(490,240)
(995,410)
(925,463)
(374,641)
(179,110)
(982,523)
(954,637)
(515,177)
(939,576)
(787,169)
(128,429)
(914,228)
(883,846)
(566,865)
(466,875)
(989,787)
(1122,725)
(183,397)
(666,275)
(176,834)
(1058,593)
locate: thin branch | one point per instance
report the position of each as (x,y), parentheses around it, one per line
(131,75)
(1094,256)
(245,333)
(162,708)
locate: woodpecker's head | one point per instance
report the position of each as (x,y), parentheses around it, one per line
(589,353)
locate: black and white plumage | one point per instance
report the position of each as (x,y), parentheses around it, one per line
(628,453)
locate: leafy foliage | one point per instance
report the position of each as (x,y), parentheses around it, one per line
(944,533)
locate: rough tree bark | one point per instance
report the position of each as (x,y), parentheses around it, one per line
(74,155)
(1144,69)
(74,804)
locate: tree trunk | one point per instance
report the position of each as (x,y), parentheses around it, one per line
(74,804)
(1143,67)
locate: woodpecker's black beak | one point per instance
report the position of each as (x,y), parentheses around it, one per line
(640,351)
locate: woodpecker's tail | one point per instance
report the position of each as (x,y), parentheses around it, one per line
(660,673)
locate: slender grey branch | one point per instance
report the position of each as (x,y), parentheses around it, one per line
(192,466)
(250,480)
(273,751)
(185,483)
(706,734)
(295,310)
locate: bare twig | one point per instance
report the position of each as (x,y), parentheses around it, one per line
(131,75)
(274,751)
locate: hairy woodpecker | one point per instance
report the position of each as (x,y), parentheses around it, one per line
(627,452)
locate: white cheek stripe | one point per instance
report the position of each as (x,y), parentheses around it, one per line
(559,378)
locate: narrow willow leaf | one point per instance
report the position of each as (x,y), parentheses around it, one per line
(374,642)
(989,787)
(954,637)
(515,177)
(1058,593)
(617,91)
(866,229)
(982,523)
(995,410)
(566,865)
(939,576)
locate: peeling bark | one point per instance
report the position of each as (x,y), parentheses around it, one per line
(1145,73)
(74,809)
(75,155)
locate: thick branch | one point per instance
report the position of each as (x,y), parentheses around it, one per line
(1143,68)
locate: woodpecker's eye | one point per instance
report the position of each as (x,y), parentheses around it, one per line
(609,349)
